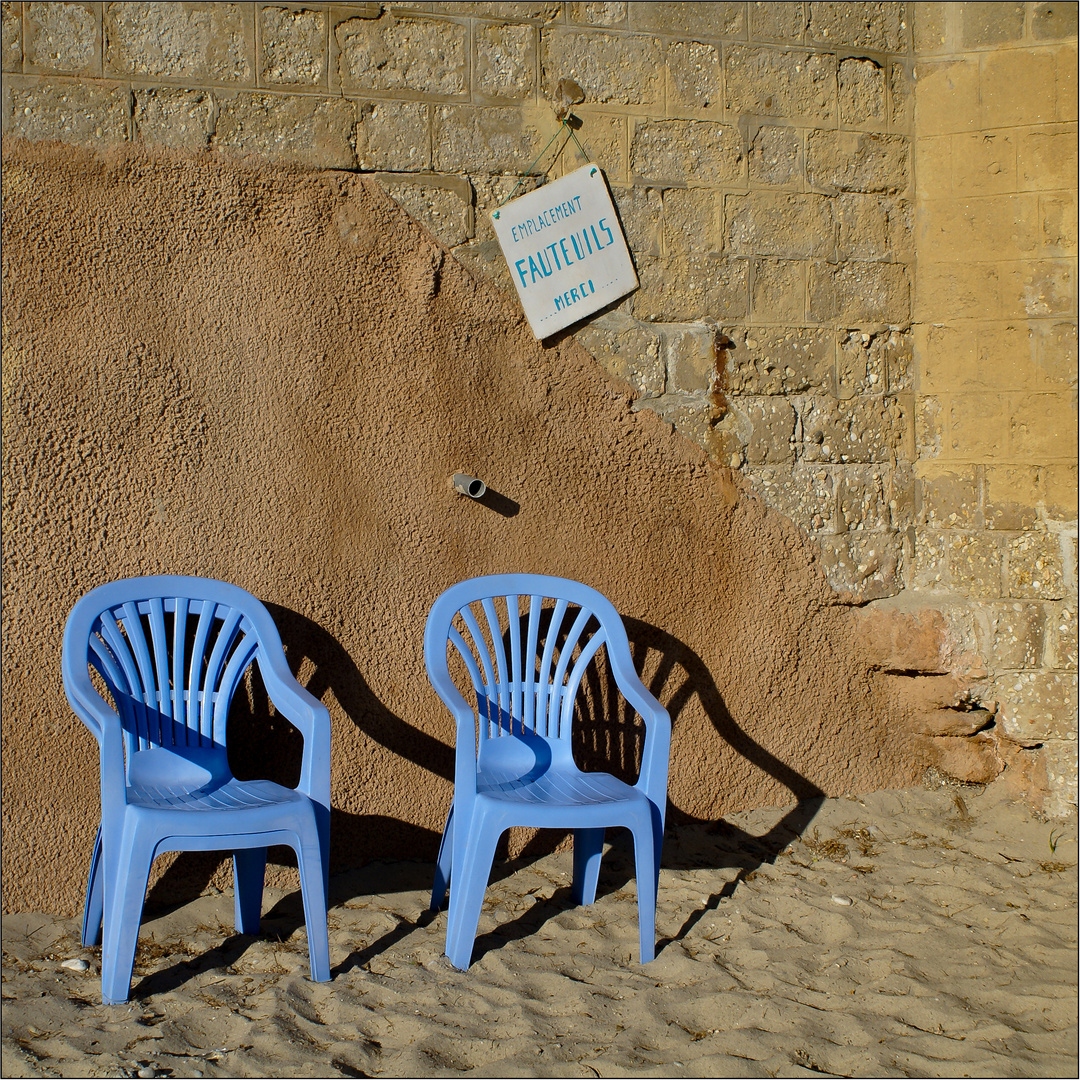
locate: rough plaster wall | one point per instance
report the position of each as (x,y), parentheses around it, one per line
(270,378)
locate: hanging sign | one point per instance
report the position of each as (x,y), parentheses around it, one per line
(565,249)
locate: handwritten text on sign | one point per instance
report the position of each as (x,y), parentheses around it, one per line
(565,250)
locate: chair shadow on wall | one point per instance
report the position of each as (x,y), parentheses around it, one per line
(607,735)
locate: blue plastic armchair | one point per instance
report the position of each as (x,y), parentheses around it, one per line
(150,667)
(525,642)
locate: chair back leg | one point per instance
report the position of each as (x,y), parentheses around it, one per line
(249,873)
(588,851)
(443,863)
(94,907)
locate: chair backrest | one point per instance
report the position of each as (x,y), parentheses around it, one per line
(170,651)
(526,641)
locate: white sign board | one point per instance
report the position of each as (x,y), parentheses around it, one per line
(565,249)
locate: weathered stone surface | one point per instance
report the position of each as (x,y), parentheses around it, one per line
(866,566)
(394,135)
(990,23)
(901,95)
(862,430)
(975,564)
(772,421)
(466,138)
(693,74)
(1055,20)
(863,231)
(901,215)
(293,46)
(604,139)
(1011,635)
(505,61)
(310,131)
(776,22)
(858,161)
(777,360)
(427,56)
(11,28)
(789,224)
(776,155)
(93,114)
(1057,488)
(1037,704)
(204,42)
(881,25)
(781,82)
(441,203)
(1047,159)
(628,350)
(685,152)
(1059,760)
(542,11)
(1002,71)
(928,426)
(641,213)
(683,289)
(1062,626)
(950,500)
(691,221)
(862,91)
(608,67)
(1058,224)
(1035,566)
(948,96)
(805,494)
(598,13)
(1043,427)
(859,293)
(691,359)
(863,498)
(778,290)
(1010,494)
(873,363)
(489,193)
(723,19)
(899,642)
(62,37)
(930,569)
(173,116)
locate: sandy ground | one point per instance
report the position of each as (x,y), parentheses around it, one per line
(912,933)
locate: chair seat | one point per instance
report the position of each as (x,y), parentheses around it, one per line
(556,788)
(233,795)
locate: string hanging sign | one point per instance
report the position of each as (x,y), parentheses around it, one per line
(565,250)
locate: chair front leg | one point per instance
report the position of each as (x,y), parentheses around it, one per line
(443,863)
(94,907)
(474,853)
(126,872)
(588,851)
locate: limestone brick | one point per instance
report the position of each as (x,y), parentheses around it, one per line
(1054,20)
(1042,427)
(948,96)
(1056,355)
(686,288)
(929,30)
(858,161)
(978,426)
(862,91)
(641,211)
(901,96)
(1057,491)
(893,351)
(674,152)
(1062,632)
(415,54)
(780,82)
(690,221)
(862,227)
(1058,224)
(1011,636)
(984,163)
(788,224)
(860,369)
(468,138)
(859,431)
(62,38)
(1066,83)
(691,359)
(489,193)
(975,564)
(990,23)
(89,114)
(772,420)
(930,560)
(934,166)
(201,42)
(865,565)
(542,11)
(609,68)
(12,44)
(1010,496)
(949,291)
(882,25)
(776,155)
(859,292)
(1034,566)
(1037,704)
(955,230)
(948,356)
(173,116)
(693,76)
(393,136)
(929,427)
(864,498)
(293,46)
(721,20)
(950,499)
(1046,159)
(1002,72)
(309,131)
(776,22)
(596,13)
(505,61)
(604,139)
(631,351)
(805,494)
(777,360)
(1059,759)
(778,290)
(442,204)
(1040,287)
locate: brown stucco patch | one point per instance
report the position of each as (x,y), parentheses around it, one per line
(269,376)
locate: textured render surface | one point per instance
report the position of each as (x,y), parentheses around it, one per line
(271,380)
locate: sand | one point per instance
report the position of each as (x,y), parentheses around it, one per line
(903,933)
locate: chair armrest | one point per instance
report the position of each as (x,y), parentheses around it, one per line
(652,779)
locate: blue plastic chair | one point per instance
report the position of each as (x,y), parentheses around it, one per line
(170,652)
(514,763)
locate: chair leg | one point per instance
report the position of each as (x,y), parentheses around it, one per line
(94,906)
(249,872)
(126,871)
(588,851)
(310,859)
(443,863)
(646,867)
(470,878)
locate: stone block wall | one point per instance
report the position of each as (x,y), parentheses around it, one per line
(777,167)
